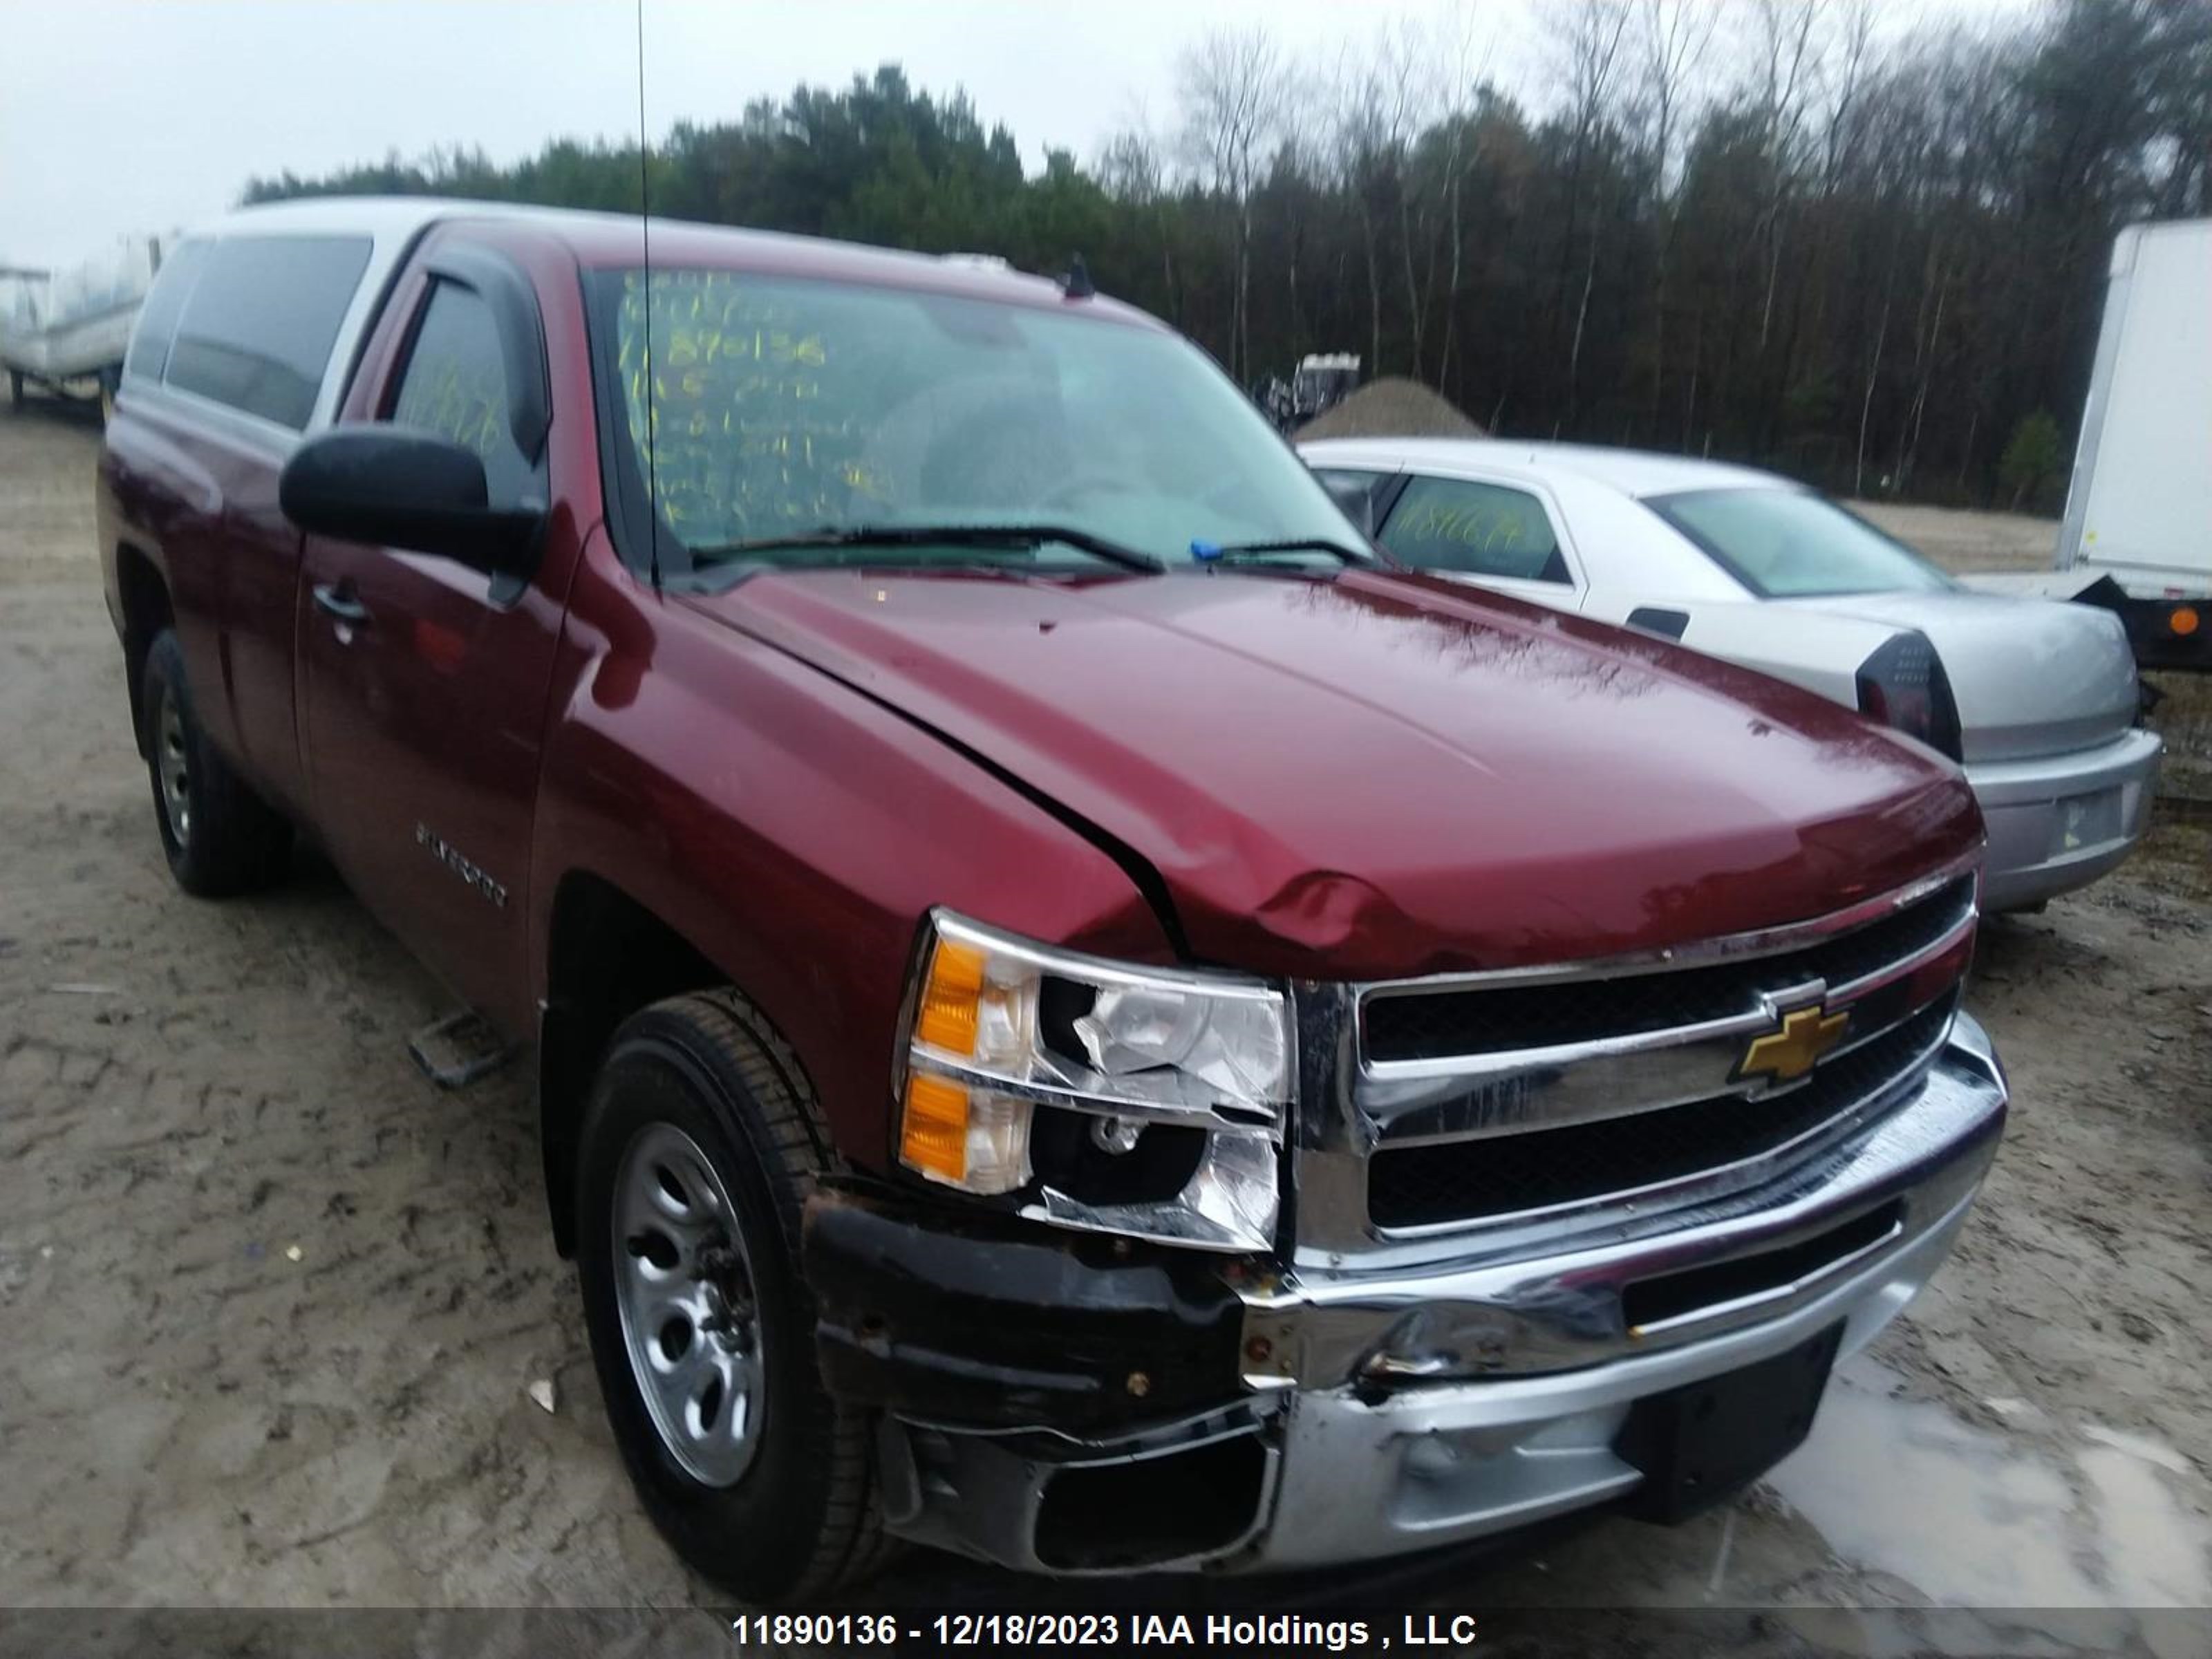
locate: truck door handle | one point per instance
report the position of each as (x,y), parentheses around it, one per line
(337,600)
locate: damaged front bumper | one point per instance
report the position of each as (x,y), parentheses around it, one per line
(1085,1406)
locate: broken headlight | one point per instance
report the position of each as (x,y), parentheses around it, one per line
(1146,1102)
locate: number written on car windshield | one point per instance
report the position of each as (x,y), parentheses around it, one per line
(752,407)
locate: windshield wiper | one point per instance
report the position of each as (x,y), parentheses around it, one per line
(1029,536)
(1239,552)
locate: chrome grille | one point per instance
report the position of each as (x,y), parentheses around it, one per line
(1426,1025)
(1514,1174)
(1505,1097)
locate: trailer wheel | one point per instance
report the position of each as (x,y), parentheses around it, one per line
(701,1142)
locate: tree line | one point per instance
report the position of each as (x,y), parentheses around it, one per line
(1771,230)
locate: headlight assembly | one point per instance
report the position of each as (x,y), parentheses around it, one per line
(1146,1102)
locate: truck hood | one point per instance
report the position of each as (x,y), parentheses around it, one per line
(2032,676)
(1382,776)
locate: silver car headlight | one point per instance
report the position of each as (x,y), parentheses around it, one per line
(1146,1102)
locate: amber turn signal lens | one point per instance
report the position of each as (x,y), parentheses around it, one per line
(2183,620)
(950,998)
(933,1136)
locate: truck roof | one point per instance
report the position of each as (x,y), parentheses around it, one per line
(394,224)
(598,240)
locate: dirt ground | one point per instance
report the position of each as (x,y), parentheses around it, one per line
(1962,541)
(271,1305)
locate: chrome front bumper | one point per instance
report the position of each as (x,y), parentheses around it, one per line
(1398,1408)
(1536,1364)
(2037,850)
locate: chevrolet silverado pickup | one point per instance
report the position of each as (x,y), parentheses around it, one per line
(1080,1017)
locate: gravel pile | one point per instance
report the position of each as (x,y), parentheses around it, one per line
(1393,407)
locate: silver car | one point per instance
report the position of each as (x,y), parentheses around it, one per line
(2038,699)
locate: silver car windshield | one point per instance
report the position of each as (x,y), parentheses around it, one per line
(780,406)
(1792,543)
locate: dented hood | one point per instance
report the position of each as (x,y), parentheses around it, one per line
(1381,774)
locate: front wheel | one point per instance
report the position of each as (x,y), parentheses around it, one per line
(700,1144)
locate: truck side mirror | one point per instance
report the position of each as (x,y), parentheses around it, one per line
(395,487)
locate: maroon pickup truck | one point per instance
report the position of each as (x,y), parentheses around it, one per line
(1080,1018)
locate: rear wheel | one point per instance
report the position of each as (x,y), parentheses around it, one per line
(218,835)
(700,1144)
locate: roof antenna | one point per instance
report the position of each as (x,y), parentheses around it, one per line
(645,244)
(1077,284)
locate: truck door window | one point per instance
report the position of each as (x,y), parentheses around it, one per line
(1482,529)
(455,385)
(258,327)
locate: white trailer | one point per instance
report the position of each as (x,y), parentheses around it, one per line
(67,329)
(2137,535)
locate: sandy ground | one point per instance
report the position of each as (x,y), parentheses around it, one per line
(271,1304)
(1965,541)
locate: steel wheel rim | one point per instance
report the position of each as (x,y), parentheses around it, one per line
(684,1287)
(173,768)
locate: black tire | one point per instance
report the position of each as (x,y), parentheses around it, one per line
(15,388)
(804,1517)
(219,837)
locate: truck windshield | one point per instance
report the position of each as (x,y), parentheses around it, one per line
(781,406)
(1792,543)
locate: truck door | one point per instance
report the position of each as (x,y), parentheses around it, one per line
(258,318)
(425,682)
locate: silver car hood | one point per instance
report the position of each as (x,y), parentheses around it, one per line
(2031,677)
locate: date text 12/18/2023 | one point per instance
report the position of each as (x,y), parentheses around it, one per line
(1218,1632)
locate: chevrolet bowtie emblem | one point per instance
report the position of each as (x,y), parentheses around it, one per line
(1788,1053)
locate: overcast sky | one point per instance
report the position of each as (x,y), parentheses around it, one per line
(129,116)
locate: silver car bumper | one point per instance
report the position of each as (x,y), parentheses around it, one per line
(2059,822)
(1403,1409)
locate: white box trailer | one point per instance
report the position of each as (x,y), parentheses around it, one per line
(2139,510)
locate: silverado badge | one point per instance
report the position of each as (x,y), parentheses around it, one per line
(1791,1050)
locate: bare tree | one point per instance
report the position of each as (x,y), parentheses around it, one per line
(1380,94)
(1405,54)
(1873,370)
(1129,169)
(1844,124)
(1232,82)
(1674,36)
(1788,39)
(1462,70)
(1588,37)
